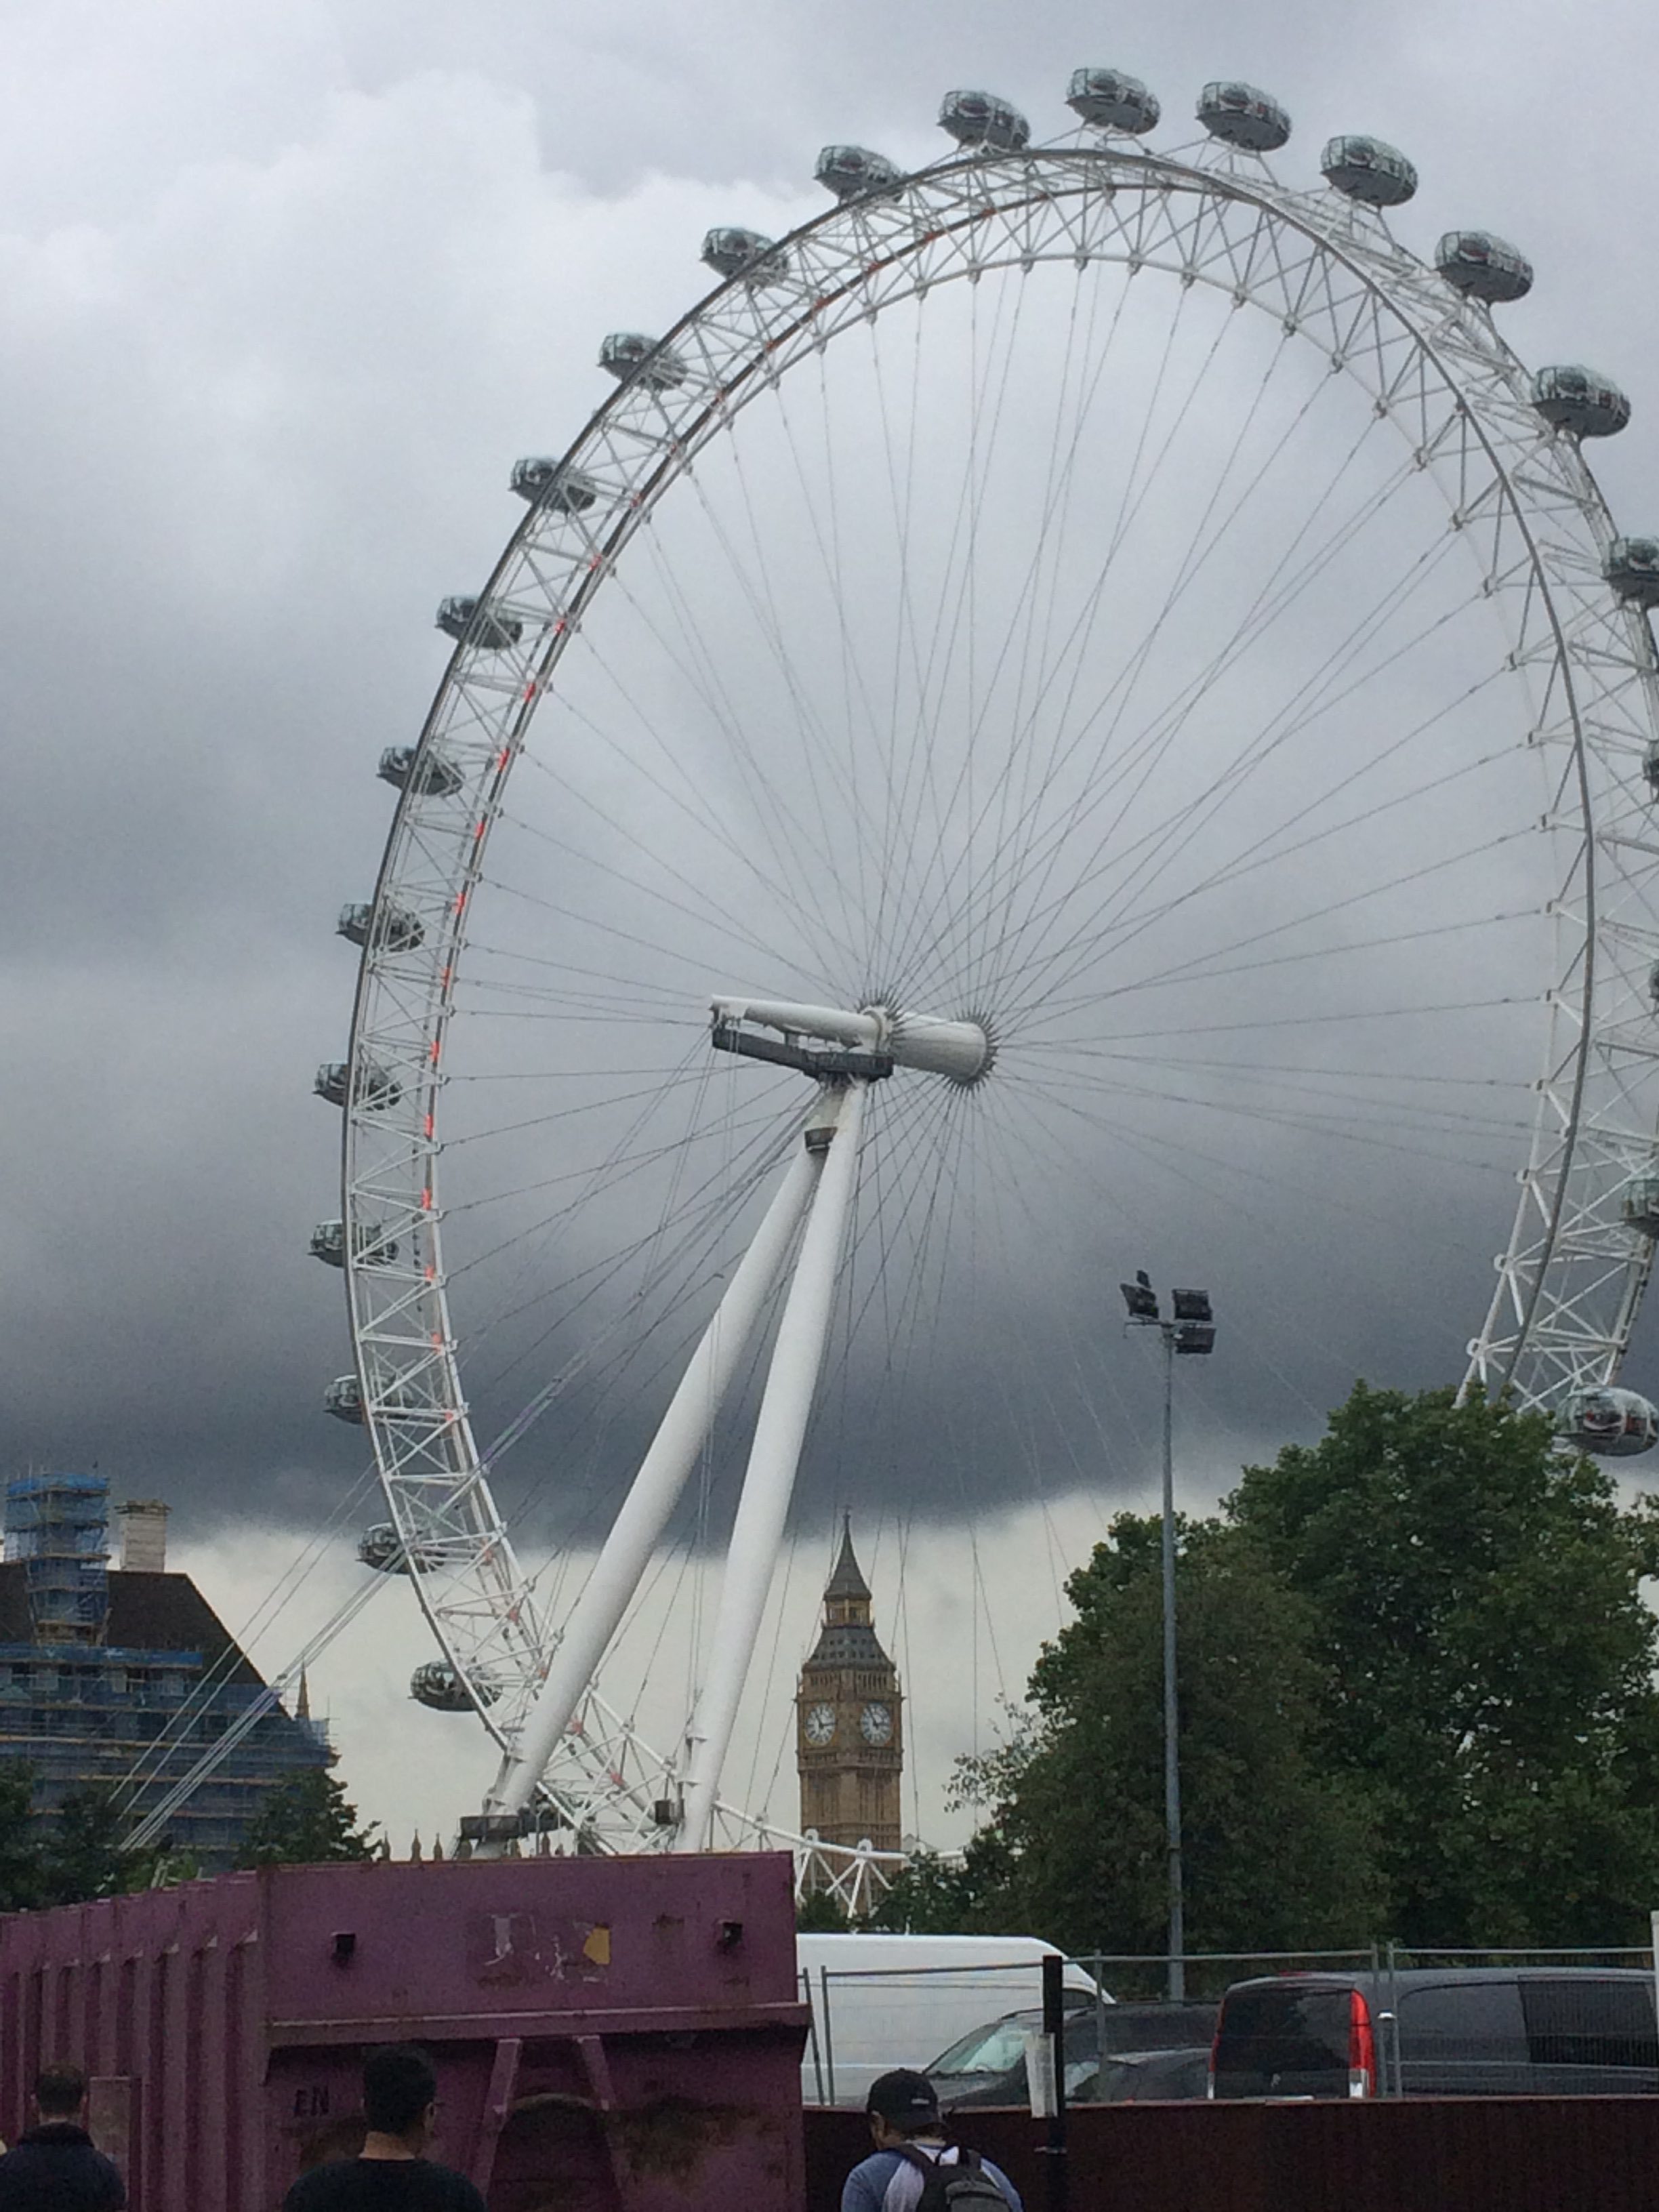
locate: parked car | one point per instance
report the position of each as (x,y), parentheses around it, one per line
(1441,2032)
(878,2001)
(1160,2051)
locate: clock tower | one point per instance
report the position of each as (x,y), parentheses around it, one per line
(849,1734)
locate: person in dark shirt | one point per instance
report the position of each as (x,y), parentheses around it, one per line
(54,2168)
(392,2173)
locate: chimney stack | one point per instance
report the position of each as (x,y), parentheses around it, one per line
(143,1536)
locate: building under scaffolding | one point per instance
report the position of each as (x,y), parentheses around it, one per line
(108,1673)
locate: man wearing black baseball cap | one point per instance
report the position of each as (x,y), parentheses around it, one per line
(909,2139)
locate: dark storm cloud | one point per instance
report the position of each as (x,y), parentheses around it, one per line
(287,289)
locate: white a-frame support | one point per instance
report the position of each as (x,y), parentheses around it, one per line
(773,1458)
(679,1439)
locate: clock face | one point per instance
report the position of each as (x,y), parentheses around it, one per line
(820,1724)
(876,1724)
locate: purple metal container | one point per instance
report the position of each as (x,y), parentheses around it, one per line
(610,2035)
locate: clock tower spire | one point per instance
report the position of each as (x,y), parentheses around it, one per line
(848,1720)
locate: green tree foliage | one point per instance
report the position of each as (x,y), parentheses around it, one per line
(1485,1659)
(820,1915)
(82,1853)
(20,1842)
(1278,1855)
(306,1820)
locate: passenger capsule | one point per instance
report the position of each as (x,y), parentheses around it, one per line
(545,483)
(1631,567)
(1241,116)
(1578,399)
(1368,171)
(431,773)
(631,357)
(344,1398)
(1107,99)
(730,251)
(851,173)
(469,623)
(394,929)
(1616,1424)
(1484,267)
(382,1548)
(980,119)
(1650,768)
(376,1087)
(374,1247)
(437,1685)
(1641,1205)
(1653,985)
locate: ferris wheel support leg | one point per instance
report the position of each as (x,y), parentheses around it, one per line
(656,1488)
(773,1458)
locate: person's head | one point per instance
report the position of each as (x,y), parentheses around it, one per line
(60,2092)
(900,2106)
(400,2094)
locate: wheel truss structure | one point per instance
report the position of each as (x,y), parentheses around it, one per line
(1516,491)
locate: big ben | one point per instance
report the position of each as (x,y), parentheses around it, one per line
(849,1734)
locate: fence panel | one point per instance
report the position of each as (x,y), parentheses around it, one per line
(1428,2155)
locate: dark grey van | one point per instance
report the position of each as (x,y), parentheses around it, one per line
(1445,2031)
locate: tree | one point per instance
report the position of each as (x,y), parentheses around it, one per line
(818,1914)
(1486,1662)
(19,1841)
(306,1820)
(1277,1855)
(83,1853)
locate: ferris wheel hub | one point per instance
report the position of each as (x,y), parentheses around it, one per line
(868,1042)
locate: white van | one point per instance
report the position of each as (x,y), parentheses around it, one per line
(884,2001)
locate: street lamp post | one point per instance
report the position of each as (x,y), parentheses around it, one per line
(1189,1330)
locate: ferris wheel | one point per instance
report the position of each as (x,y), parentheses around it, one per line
(1079,672)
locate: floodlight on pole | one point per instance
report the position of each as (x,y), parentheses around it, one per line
(1190,1329)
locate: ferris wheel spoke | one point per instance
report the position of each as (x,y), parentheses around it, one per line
(1158,848)
(1192,566)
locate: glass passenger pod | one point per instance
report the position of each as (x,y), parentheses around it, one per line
(436,1685)
(545,483)
(732,251)
(1614,1423)
(431,773)
(1107,99)
(344,1398)
(1239,115)
(1631,567)
(1366,170)
(376,1087)
(1640,1204)
(852,172)
(394,929)
(374,1249)
(980,119)
(382,1548)
(1575,398)
(630,355)
(469,621)
(1485,268)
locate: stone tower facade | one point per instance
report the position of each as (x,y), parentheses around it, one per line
(849,1721)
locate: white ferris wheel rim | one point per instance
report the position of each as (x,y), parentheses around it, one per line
(1570,1281)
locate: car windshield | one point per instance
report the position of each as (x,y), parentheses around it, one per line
(1158,2027)
(992,2050)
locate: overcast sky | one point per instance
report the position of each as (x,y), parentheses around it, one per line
(287,288)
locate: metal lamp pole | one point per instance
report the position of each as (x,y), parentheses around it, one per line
(1191,1328)
(1171,1710)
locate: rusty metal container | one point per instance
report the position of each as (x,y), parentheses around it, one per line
(610,2035)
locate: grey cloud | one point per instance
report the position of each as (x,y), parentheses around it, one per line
(286,294)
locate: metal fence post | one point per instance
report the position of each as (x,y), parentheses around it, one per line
(1054,2026)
